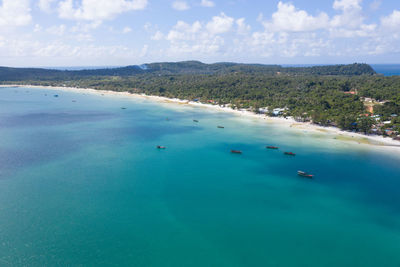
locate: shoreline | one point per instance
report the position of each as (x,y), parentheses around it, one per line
(371,140)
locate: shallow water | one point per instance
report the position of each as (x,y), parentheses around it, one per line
(81,183)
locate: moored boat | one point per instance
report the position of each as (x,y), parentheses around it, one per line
(195,120)
(236,151)
(304,174)
(220,127)
(272,147)
(289,153)
(161,147)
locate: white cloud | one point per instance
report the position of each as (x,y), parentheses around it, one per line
(392,21)
(289,18)
(26,51)
(126,30)
(147,26)
(46,5)
(351,16)
(15,13)
(199,37)
(347,5)
(243,28)
(220,24)
(157,36)
(37,28)
(207,3)
(350,23)
(57,30)
(180,5)
(184,31)
(289,33)
(85,27)
(98,10)
(144,51)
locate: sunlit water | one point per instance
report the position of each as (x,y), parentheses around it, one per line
(82,183)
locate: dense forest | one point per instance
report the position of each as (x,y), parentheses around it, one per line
(352,97)
(185,67)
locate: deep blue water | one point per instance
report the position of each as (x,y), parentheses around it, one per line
(387,69)
(81,183)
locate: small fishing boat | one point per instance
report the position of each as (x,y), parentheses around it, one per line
(123,108)
(304,174)
(161,147)
(236,151)
(272,147)
(289,153)
(55,95)
(195,120)
(220,127)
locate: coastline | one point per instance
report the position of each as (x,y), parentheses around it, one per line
(371,140)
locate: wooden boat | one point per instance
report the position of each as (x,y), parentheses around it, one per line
(272,147)
(304,174)
(220,127)
(195,120)
(161,147)
(289,153)
(236,151)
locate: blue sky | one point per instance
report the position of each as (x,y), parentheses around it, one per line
(125,32)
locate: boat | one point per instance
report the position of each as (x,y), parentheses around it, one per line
(236,151)
(123,108)
(161,147)
(289,153)
(220,127)
(195,120)
(55,95)
(304,174)
(272,147)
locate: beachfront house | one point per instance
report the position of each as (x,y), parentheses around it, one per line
(278,111)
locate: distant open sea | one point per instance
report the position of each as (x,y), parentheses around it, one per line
(82,184)
(387,69)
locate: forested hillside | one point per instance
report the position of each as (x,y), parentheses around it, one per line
(186,67)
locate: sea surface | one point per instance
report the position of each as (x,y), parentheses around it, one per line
(82,184)
(387,69)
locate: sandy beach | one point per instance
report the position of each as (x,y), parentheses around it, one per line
(372,140)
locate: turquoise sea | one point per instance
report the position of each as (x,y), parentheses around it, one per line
(82,184)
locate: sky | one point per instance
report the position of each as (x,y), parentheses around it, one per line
(129,32)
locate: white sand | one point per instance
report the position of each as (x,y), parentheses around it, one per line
(373,140)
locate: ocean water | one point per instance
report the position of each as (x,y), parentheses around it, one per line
(387,69)
(82,184)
